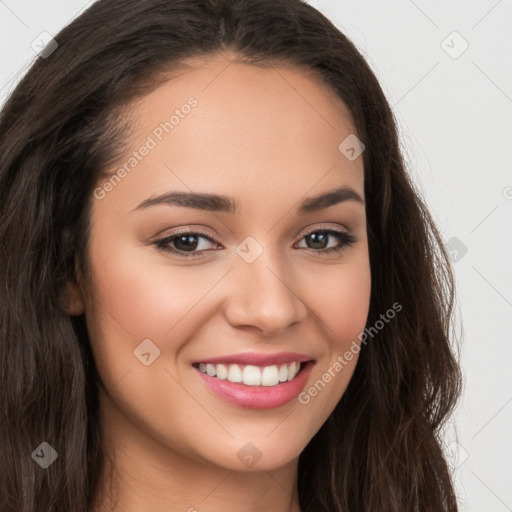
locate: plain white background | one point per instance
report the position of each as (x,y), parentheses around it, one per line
(446,71)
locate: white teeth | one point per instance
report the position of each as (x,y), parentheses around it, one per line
(222,372)
(234,373)
(252,375)
(270,376)
(292,370)
(283,373)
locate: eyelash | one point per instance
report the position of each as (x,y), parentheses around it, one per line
(164,244)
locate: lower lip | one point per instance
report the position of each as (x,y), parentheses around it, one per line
(258,397)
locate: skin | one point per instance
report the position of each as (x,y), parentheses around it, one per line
(268,137)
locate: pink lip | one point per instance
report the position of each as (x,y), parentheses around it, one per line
(258,397)
(257,359)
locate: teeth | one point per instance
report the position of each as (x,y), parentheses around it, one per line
(283,373)
(222,372)
(234,373)
(252,375)
(292,370)
(270,376)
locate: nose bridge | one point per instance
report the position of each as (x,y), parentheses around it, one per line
(261,295)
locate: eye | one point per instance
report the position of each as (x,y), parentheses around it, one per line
(319,239)
(184,244)
(188,243)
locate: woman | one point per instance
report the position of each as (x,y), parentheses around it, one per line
(219,286)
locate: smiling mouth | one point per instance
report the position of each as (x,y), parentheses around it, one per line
(251,375)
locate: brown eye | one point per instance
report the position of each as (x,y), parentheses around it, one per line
(185,244)
(318,241)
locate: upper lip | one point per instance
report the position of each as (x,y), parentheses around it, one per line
(258,359)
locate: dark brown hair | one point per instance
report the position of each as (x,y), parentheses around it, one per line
(380,450)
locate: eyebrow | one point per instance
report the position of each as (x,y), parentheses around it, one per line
(221,203)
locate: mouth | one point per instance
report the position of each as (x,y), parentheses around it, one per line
(252,375)
(253,386)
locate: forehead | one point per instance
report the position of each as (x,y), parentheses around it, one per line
(237,128)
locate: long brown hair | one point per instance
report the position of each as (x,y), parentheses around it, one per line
(380,449)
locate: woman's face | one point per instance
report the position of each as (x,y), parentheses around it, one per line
(258,278)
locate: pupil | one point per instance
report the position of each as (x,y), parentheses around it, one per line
(182,240)
(318,238)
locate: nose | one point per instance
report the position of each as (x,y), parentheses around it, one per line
(262,296)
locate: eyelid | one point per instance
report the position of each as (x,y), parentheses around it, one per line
(324,226)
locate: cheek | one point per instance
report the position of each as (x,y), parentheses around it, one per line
(144,298)
(341,303)
(341,307)
(134,300)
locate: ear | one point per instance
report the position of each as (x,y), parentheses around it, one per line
(72,301)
